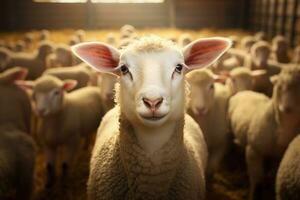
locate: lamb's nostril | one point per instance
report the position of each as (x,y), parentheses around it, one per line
(153,104)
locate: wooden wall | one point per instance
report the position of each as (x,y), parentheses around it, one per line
(276,17)
(25,14)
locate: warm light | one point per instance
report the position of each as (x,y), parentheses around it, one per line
(60,1)
(127,1)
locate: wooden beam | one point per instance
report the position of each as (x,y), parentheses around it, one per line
(293,28)
(283,17)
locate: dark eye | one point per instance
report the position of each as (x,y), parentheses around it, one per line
(124,69)
(212,86)
(56,92)
(179,68)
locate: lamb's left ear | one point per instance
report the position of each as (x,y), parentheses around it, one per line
(100,56)
(69,84)
(203,52)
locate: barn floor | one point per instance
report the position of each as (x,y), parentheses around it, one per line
(230,183)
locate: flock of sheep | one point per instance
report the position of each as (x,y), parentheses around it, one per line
(168,111)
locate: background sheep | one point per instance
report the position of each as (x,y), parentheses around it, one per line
(34,62)
(122,137)
(66,117)
(208,106)
(288,175)
(270,124)
(17,149)
(280,49)
(107,87)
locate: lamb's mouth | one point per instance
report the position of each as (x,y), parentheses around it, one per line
(153,117)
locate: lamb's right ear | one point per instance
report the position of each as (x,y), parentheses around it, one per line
(13,74)
(203,52)
(100,56)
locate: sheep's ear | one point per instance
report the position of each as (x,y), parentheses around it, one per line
(69,84)
(258,72)
(13,74)
(220,78)
(204,52)
(100,56)
(274,79)
(26,85)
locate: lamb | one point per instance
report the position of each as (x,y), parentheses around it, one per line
(259,59)
(242,78)
(44,35)
(17,149)
(185,39)
(80,73)
(247,42)
(269,125)
(28,39)
(73,40)
(66,117)
(19,46)
(62,56)
(208,106)
(80,34)
(260,36)
(35,63)
(280,49)
(147,146)
(288,174)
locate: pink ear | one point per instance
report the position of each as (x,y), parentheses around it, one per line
(258,72)
(69,85)
(100,56)
(203,52)
(26,85)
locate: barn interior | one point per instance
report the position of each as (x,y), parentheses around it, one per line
(37,38)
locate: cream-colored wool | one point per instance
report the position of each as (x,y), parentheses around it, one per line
(265,126)
(288,174)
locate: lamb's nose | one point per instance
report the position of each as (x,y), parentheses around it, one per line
(153,105)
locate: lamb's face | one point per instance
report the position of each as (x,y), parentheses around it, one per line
(202,91)
(151,86)
(151,72)
(260,54)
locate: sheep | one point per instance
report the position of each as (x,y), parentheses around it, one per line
(264,126)
(66,117)
(17,149)
(185,39)
(80,34)
(242,78)
(73,40)
(107,85)
(28,39)
(288,174)
(78,72)
(296,58)
(35,63)
(62,56)
(4,57)
(280,49)
(147,147)
(259,59)
(260,36)
(19,46)
(208,107)
(247,42)
(127,30)
(44,35)
(15,107)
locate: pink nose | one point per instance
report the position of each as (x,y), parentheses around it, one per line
(153,105)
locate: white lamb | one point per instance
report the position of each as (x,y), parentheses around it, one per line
(66,117)
(264,126)
(208,107)
(147,147)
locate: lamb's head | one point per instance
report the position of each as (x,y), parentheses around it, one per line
(260,53)
(241,79)
(280,44)
(151,73)
(11,75)
(45,48)
(202,90)
(287,90)
(48,93)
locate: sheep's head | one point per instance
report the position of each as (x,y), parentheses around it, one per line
(280,44)
(287,90)
(202,90)
(151,73)
(241,79)
(260,53)
(48,93)
(11,75)
(45,48)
